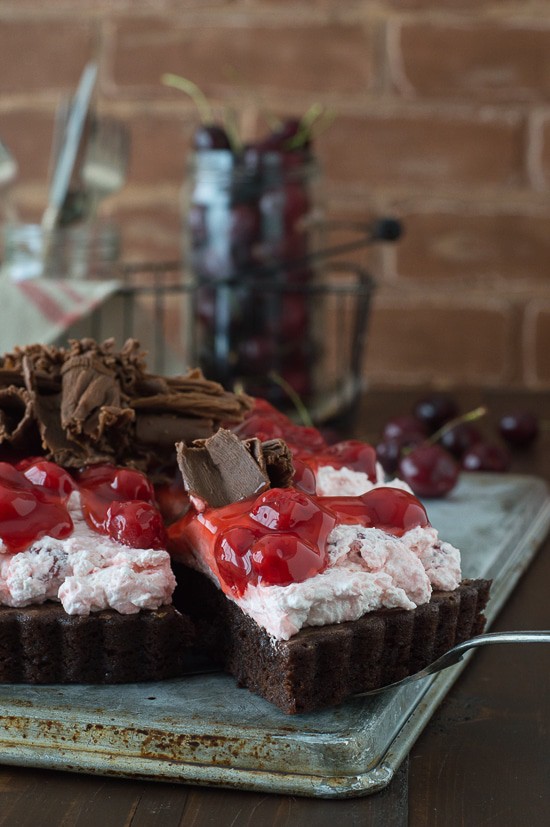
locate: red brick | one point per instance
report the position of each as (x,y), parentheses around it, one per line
(424,151)
(307,57)
(44,54)
(537,343)
(540,152)
(28,134)
(150,233)
(450,5)
(159,148)
(487,61)
(443,340)
(486,247)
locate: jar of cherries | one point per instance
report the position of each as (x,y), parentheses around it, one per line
(252,224)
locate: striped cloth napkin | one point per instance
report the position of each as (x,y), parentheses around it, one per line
(45,310)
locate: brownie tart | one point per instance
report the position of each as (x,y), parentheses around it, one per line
(87,441)
(309,597)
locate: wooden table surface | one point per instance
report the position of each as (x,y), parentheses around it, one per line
(483,759)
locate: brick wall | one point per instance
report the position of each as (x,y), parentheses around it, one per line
(442,117)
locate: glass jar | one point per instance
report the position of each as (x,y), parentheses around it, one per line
(77,252)
(252,226)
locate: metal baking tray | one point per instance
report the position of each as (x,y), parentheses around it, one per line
(203,729)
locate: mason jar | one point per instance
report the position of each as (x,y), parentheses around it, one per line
(252,224)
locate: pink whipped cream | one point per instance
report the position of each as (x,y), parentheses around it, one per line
(86,573)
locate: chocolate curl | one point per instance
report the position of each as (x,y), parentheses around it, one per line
(17,423)
(224,469)
(220,470)
(279,467)
(194,396)
(164,430)
(91,399)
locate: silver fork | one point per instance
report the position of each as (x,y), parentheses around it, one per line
(105,162)
(456,654)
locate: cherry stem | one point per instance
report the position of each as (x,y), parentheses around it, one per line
(294,397)
(470,416)
(198,97)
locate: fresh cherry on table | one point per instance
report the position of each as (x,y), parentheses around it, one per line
(404,425)
(461,438)
(435,410)
(486,456)
(519,428)
(429,469)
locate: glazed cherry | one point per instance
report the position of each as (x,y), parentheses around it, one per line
(430,470)
(284,509)
(356,455)
(172,500)
(113,483)
(394,510)
(28,512)
(135,524)
(233,555)
(436,410)
(50,476)
(281,559)
(519,428)
(486,456)
(304,478)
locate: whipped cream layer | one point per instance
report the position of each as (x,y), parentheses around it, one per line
(368,570)
(87,572)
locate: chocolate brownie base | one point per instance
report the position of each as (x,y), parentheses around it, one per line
(322,666)
(43,644)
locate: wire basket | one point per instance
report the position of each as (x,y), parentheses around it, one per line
(294,343)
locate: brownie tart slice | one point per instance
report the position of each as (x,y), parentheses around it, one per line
(309,599)
(87,441)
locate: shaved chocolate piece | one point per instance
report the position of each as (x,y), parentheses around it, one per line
(278,462)
(91,398)
(164,430)
(220,470)
(224,469)
(91,403)
(16,416)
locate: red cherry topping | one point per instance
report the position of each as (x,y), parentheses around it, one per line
(118,502)
(359,456)
(28,512)
(113,483)
(389,509)
(304,478)
(281,559)
(287,510)
(50,476)
(233,554)
(135,524)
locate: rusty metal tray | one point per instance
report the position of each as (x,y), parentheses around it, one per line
(204,730)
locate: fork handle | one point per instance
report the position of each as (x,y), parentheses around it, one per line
(503,637)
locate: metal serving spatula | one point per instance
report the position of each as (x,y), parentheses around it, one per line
(456,654)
